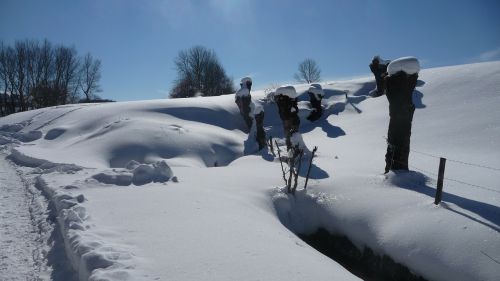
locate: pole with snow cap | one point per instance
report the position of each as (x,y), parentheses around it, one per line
(378,66)
(286,100)
(316,94)
(243,99)
(400,83)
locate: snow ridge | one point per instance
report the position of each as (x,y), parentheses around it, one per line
(89,254)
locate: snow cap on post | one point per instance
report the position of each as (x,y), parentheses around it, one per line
(246,83)
(244,80)
(317,91)
(409,65)
(286,91)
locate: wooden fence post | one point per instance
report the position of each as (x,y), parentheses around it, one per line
(439,190)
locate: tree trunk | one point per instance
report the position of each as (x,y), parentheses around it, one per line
(399,91)
(288,110)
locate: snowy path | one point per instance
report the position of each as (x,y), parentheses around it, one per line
(20,249)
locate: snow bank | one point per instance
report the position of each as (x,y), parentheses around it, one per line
(201,131)
(89,255)
(137,174)
(409,65)
(42,166)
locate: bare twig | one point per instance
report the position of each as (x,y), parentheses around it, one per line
(291,164)
(281,163)
(310,164)
(301,152)
(270,143)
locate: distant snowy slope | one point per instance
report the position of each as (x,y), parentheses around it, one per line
(225,215)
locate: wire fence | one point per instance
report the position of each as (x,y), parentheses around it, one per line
(457,161)
(459,181)
(426,172)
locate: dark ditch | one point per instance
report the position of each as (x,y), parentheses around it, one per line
(365,264)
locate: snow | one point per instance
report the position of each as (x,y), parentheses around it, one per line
(202,208)
(287,91)
(409,65)
(256,108)
(137,174)
(297,141)
(317,91)
(22,227)
(242,92)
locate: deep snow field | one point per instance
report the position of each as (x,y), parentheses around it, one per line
(175,189)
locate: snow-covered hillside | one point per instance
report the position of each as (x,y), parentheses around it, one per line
(174,189)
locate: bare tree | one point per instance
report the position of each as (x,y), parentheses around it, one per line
(90,75)
(199,71)
(34,74)
(46,62)
(21,48)
(309,72)
(42,91)
(10,69)
(4,82)
(66,66)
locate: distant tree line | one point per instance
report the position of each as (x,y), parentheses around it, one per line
(36,74)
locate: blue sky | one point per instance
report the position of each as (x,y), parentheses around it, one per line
(137,41)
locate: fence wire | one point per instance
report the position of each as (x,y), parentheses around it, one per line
(457,161)
(448,178)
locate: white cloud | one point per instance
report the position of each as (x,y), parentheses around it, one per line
(490,55)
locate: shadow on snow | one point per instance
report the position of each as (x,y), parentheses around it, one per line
(416,181)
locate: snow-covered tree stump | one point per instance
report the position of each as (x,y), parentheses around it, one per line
(400,84)
(379,70)
(243,99)
(286,100)
(316,94)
